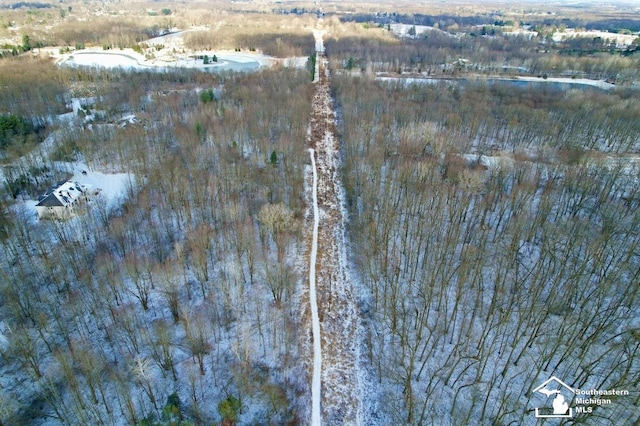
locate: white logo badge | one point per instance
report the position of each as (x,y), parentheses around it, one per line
(562,395)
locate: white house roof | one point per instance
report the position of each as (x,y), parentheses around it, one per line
(63,195)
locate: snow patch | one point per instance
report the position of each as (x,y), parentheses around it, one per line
(317,348)
(318,34)
(296,62)
(601,84)
(4,342)
(491,162)
(112,186)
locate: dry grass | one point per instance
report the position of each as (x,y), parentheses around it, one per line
(337,30)
(276,35)
(120,23)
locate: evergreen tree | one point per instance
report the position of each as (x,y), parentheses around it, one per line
(26,43)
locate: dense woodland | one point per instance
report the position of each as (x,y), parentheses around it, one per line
(437,53)
(472,275)
(187,287)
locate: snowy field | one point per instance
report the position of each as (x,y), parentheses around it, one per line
(403,29)
(128,59)
(601,84)
(559,81)
(620,40)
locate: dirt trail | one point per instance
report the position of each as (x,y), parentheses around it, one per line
(340,400)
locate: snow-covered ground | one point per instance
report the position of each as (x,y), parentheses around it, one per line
(491,162)
(4,342)
(403,29)
(295,62)
(318,34)
(168,52)
(112,187)
(571,81)
(620,40)
(601,84)
(129,59)
(521,32)
(316,391)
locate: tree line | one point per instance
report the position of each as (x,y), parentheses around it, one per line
(436,53)
(274,43)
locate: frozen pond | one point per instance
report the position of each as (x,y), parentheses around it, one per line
(102,60)
(523,82)
(108,60)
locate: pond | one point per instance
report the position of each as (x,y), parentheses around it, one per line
(121,60)
(522,82)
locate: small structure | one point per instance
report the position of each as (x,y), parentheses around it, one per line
(60,202)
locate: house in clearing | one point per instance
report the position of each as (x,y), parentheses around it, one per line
(60,202)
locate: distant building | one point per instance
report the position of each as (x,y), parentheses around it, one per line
(60,202)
